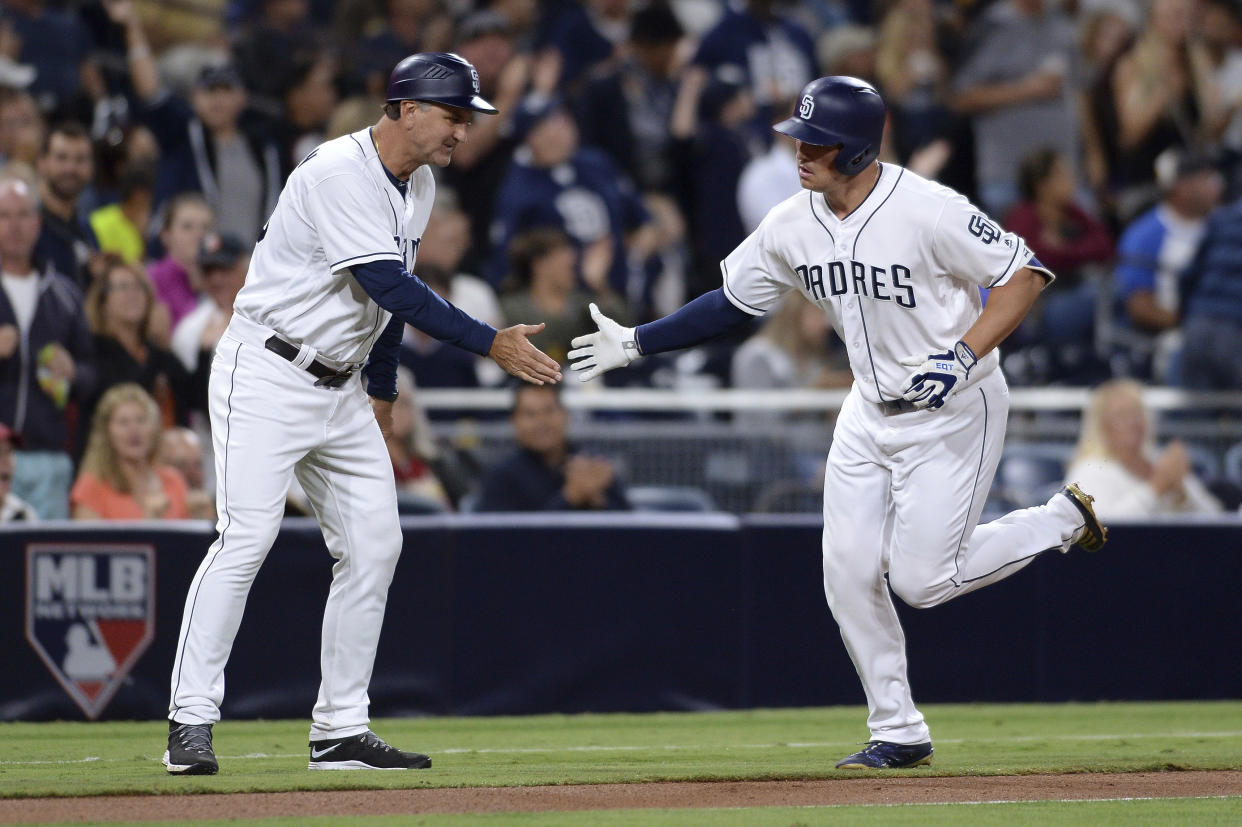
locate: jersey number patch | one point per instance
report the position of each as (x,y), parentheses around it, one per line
(984,230)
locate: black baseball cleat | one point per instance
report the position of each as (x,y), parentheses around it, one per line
(883,755)
(1092,534)
(362,752)
(189,750)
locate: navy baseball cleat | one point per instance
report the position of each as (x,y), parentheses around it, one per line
(883,755)
(1092,535)
(363,752)
(189,750)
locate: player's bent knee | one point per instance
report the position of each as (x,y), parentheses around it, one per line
(919,599)
(918,594)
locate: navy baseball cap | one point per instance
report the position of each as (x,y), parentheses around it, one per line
(533,109)
(219,76)
(725,84)
(220,251)
(482,24)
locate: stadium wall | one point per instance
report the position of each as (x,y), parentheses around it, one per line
(501,614)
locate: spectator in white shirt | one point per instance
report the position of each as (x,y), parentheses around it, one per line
(1118,462)
(223,263)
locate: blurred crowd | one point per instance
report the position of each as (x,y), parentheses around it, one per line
(144,142)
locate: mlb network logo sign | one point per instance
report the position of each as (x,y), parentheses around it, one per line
(90,614)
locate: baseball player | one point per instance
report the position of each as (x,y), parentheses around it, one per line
(896,261)
(328,291)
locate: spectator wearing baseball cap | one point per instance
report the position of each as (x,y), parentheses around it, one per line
(223,261)
(203,142)
(625,110)
(1153,252)
(13,509)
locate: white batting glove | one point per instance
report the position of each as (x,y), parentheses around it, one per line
(937,376)
(613,346)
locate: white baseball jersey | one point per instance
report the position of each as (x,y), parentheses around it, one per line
(271,423)
(338,209)
(899,276)
(903,489)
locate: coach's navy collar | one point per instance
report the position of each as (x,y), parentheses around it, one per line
(394,180)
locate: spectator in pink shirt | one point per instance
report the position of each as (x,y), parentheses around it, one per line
(177,278)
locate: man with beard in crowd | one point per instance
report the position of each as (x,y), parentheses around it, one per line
(66,167)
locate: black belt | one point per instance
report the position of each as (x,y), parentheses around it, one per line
(325,377)
(892,407)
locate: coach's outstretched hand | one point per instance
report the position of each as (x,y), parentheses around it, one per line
(512,350)
(613,346)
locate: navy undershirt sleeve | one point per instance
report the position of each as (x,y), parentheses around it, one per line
(708,316)
(408,297)
(381,366)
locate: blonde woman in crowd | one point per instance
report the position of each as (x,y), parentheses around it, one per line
(793,349)
(120,479)
(1118,462)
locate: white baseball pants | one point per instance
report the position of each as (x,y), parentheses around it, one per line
(269,422)
(902,496)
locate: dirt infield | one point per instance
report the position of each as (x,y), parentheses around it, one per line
(863,790)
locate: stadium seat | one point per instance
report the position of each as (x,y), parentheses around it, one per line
(1205,462)
(1232,464)
(411,504)
(997,506)
(1029,474)
(669,498)
(790,496)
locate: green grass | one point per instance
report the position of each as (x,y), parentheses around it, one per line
(66,759)
(1202,812)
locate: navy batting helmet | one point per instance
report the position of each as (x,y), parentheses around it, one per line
(439,77)
(839,110)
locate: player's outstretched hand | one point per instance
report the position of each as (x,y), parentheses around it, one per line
(937,376)
(512,350)
(613,346)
